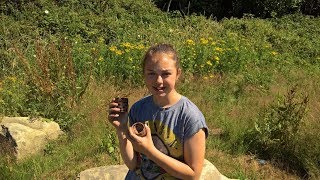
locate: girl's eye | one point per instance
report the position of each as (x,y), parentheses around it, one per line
(151,73)
(166,74)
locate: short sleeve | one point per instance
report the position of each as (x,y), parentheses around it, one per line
(194,122)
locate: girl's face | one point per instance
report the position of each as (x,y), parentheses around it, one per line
(161,74)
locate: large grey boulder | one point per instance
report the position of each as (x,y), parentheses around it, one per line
(27,136)
(118,172)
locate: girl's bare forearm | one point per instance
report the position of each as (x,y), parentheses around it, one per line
(126,149)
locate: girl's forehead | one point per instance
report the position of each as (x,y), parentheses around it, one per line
(163,64)
(161,58)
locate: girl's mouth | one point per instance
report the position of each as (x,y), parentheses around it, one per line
(159,89)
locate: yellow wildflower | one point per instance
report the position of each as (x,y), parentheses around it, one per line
(113,48)
(201,65)
(190,42)
(274,53)
(216,58)
(236,48)
(219,49)
(204,41)
(205,77)
(140,46)
(100,58)
(119,52)
(130,59)
(127,45)
(213,43)
(209,63)
(211,76)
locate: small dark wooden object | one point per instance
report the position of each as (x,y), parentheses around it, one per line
(123,104)
(139,129)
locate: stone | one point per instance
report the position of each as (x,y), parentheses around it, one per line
(115,172)
(118,172)
(28,136)
(210,172)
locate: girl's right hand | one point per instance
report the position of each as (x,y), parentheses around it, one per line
(118,119)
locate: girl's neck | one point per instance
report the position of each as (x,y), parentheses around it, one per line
(168,100)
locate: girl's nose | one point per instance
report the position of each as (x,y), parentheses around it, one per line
(159,80)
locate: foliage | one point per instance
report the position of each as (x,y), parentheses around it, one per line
(108,144)
(275,134)
(49,85)
(12,95)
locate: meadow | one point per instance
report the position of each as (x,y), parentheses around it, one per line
(255,80)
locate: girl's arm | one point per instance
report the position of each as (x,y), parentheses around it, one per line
(194,151)
(126,149)
(120,121)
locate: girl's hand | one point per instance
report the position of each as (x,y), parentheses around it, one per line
(118,119)
(144,144)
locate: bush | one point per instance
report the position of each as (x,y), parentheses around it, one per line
(276,134)
(48,86)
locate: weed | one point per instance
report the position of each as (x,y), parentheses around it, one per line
(52,84)
(275,133)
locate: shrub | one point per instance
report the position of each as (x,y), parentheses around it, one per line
(51,84)
(275,135)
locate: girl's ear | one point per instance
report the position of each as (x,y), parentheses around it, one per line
(179,71)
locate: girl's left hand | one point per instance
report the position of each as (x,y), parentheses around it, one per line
(144,144)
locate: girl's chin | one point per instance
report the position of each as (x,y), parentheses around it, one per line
(160,94)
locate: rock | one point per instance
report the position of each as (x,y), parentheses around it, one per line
(210,172)
(28,136)
(118,172)
(115,172)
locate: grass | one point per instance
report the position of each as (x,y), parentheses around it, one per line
(89,52)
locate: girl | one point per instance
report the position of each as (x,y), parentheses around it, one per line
(174,146)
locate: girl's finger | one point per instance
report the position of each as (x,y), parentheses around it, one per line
(133,135)
(148,130)
(113,115)
(113,104)
(114,110)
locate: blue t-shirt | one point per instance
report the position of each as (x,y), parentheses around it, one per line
(170,127)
